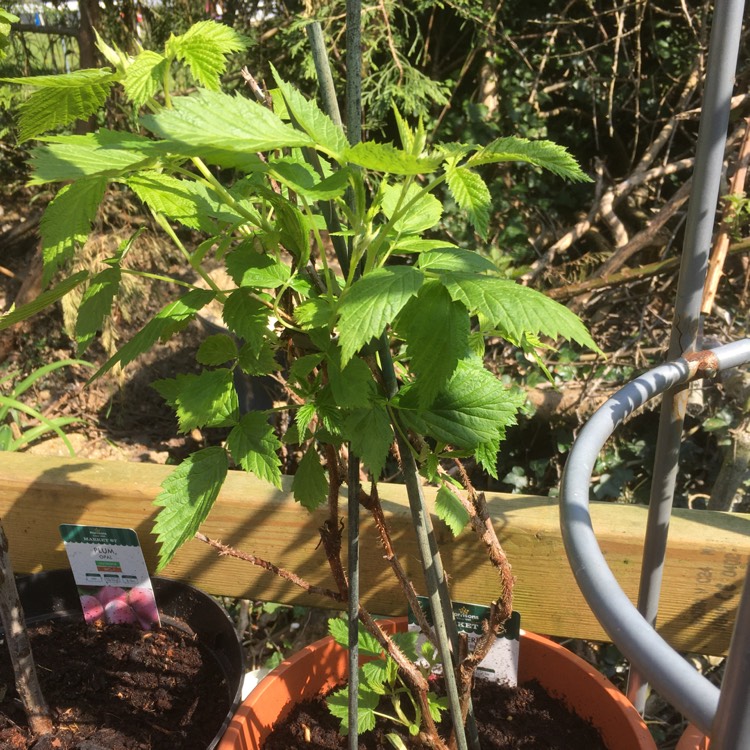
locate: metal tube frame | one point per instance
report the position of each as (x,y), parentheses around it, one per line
(669,673)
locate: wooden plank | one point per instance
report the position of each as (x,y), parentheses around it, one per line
(707,559)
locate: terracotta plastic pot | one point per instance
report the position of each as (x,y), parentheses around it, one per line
(323,664)
(53,595)
(693,739)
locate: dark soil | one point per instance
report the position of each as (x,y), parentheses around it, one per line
(523,718)
(118,688)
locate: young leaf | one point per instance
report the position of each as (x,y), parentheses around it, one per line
(310,485)
(204,400)
(246,316)
(253,446)
(216,350)
(204,47)
(421,215)
(371,303)
(186,498)
(451,510)
(436,330)
(318,125)
(368,645)
(249,268)
(367,702)
(167,321)
(472,195)
(371,436)
(61,99)
(144,76)
(515,310)
(66,222)
(545,154)
(96,305)
(383,157)
(237,125)
(473,408)
(106,152)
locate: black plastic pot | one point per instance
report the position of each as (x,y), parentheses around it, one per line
(53,595)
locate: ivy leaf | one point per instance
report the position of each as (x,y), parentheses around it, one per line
(144,76)
(455,259)
(383,157)
(545,154)
(423,214)
(371,303)
(204,47)
(436,330)
(516,310)
(107,152)
(96,305)
(371,436)
(204,400)
(249,268)
(253,446)
(61,99)
(216,350)
(451,510)
(187,495)
(166,322)
(318,125)
(66,222)
(473,408)
(310,485)
(246,316)
(238,125)
(472,195)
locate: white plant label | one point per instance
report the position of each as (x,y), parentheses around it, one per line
(111,575)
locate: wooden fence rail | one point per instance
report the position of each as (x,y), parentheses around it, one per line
(706,563)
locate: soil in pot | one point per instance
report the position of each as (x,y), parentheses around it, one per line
(117,687)
(523,718)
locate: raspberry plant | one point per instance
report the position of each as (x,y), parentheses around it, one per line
(379,349)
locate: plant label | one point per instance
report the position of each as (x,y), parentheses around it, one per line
(501,663)
(111,575)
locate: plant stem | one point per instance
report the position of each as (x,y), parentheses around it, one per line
(17,637)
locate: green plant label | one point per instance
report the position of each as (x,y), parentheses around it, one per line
(501,663)
(111,575)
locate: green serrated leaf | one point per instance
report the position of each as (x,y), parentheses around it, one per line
(254,445)
(371,436)
(144,76)
(436,330)
(61,99)
(545,154)
(318,125)
(418,211)
(368,644)
(166,322)
(305,181)
(186,498)
(472,195)
(176,199)
(257,359)
(310,484)
(473,408)
(486,455)
(353,385)
(305,414)
(66,222)
(455,259)
(197,123)
(372,303)
(407,643)
(216,350)
(367,702)
(383,157)
(204,47)
(106,152)
(314,313)
(42,301)
(246,316)
(249,268)
(515,310)
(96,305)
(451,510)
(204,400)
